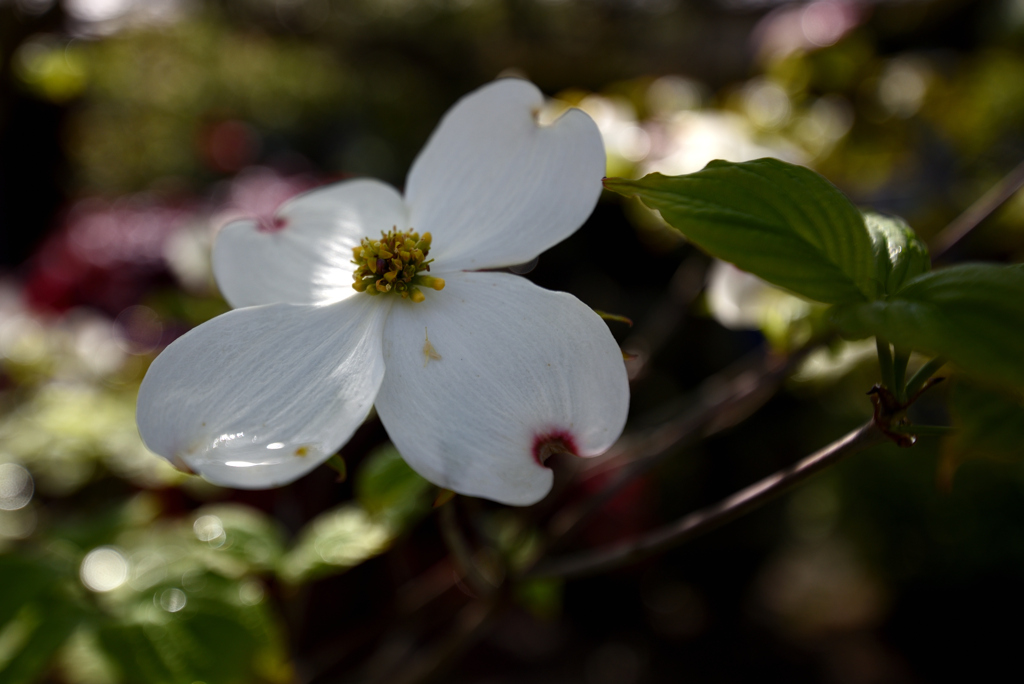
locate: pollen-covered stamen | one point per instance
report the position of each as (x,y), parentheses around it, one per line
(396,263)
(554,442)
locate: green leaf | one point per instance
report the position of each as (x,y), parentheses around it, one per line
(213,637)
(49,623)
(783,223)
(235,539)
(133,651)
(29,576)
(972,314)
(542,597)
(990,422)
(899,254)
(388,488)
(334,542)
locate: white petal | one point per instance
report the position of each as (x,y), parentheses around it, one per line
(481,372)
(494,187)
(260,396)
(307,258)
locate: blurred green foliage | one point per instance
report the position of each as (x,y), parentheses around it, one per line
(990,422)
(390,498)
(154,95)
(158,601)
(127,595)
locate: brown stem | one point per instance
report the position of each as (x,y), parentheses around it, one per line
(633,550)
(430,664)
(461,553)
(978,212)
(724,404)
(667,314)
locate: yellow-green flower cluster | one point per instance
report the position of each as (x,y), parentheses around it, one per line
(394,264)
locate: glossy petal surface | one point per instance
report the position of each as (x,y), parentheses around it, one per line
(494,187)
(478,374)
(260,396)
(304,254)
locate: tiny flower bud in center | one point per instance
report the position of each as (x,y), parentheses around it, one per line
(397,263)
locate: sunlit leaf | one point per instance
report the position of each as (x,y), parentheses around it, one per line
(971,314)
(208,634)
(899,254)
(237,539)
(781,222)
(334,542)
(65,430)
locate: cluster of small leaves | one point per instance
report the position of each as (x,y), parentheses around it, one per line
(192,604)
(791,227)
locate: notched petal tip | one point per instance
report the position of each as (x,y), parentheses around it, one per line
(499,184)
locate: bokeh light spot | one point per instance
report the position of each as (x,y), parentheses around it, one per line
(824,23)
(16,487)
(209,528)
(250,593)
(767,104)
(172,600)
(902,87)
(97,10)
(104,569)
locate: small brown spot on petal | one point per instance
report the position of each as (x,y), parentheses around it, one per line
(429,353)
(302,451)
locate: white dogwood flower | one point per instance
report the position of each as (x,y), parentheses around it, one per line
(477,376)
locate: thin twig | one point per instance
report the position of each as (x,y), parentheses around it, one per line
(726,406)
(430,664)
(978,212)
(461,553)
(667,314)
(624,553)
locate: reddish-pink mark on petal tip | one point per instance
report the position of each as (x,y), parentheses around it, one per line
(552,442)
(268,224)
